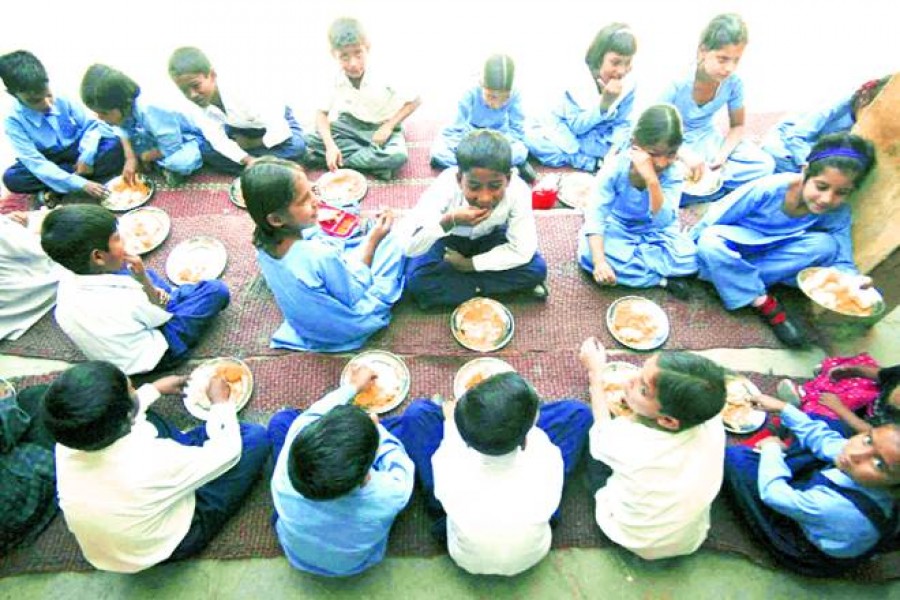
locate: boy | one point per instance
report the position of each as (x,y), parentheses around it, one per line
(135,490)
(366,135)
(492,467)
(339,484)
(473,231)
(244,127)
(655,474)
(59,150)
(827,504)
(114,309)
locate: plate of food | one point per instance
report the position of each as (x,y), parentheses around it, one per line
(196,259)
(7,389)
(638,323)
(123,197)
(390,387)
(144,229)
(235,194)
(342,187)
(576,189)
(616,377)
(233,370)
(477,370)
(709,183)
(739,416)
(482,324)
(840,292)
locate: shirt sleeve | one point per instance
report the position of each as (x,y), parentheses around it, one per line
(424,221)
(462,123)
(521,233)
(89,133)
(215,135)
(799,137)
(346,282)
(394,466)
(342,395)
(597,210)
(839,224)
(37,164)
(179,153)
(803,506)
(736,97)
(730,209)
(150,315)
(813,435)
(516,117)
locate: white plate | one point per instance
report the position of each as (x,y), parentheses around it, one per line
(484,367)
(576,189)
(740,390)
(196,259)
(342,187)
(195,399)
(144,229)
(615,375)
(650,311)
(710,183)
(235,195)
(484,335)
(126,198)
(6,388)
(810,280)
(392,384)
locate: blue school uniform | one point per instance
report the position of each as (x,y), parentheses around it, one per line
(746,242)
(177,136)
(703,138)
(790,141)
(577,132)
(331,301)
(48,145)
(474,113)
(641,247)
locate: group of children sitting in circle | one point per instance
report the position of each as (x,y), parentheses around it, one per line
(136,491)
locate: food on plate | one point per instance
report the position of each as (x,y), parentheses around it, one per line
(481,323)
(384,390)
(343,185)
(190,275)
(576,189)
(141,231)
(615,382)
(635,322)
(739,413)
(840,292)
(236,375)
(124,195)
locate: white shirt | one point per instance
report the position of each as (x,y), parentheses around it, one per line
(130,504)
(513,212)
(377,99)
(109,317)
(498,507)
(657,501)
(28,279)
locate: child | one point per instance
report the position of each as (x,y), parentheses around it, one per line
(334,293)
(789,142)
(59,150)
(135,490)
(492,104)
(492,467)
(769,230)
(710,85)
(655,474)
(28,278)
(339,484)
(593,117)
(826,506)
(113,308)
(473,230)
(631,233)
(366,135)
(160,136)
(246,127)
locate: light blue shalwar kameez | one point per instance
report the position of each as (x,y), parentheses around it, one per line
(702,137)
(641,247)
(577,132)
(331,301)
(474,113)
(746,242)
(175,134)
(790,141)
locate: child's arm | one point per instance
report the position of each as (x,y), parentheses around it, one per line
(732,138)
(595,215)
(333,157)
(431,219)
(516,117)
(593,356)
(384,132)
(521,233)
(731,209)
(394,464)
(172,150)
(799,138)
(838,224)
(846,415)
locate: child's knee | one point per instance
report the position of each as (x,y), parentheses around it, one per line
(394,160)
(821,247)
(281,421)
(254,437)
(421,409)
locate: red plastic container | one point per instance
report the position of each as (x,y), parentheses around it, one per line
(542,199)
(342,224)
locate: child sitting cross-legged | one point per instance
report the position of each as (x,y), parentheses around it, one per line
(113,308)
(338,484)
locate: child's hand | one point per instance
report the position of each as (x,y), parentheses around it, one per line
(611,90)
(831,401)
(604,274)
(135,265)
(162,297)
(95,190)
(333,157)
(151,156)
(767,403)
(82,168)
(384,220)
(218,390)
(172,384)
(362,377)
(382,135)
(448,407)
(592,354)
(458,261)
(19,216)
(643,164)
(129,172)
(470,215)
(770,441)
(695,166)
(843,372)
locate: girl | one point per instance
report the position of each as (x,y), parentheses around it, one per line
(334,294)
(631,234)
(769,230)
(789,142)
(594,115)
(493,104)
(158,135)
(710,85)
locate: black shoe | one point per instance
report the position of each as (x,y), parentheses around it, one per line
(788,333)
(527,172)
(541,292)
(679,287)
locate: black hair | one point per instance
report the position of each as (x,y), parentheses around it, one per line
(615,37)
(690,388)
(188,60)
(71,233)
(346,31)
(89,407)
(268,187)
(22,72)
(105,88)
(331,457)
(494,416)
(724,30)
(499,71)
(659,124)
(867,92)
(484,149)
(856,167)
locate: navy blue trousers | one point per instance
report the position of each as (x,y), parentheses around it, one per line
(109,162)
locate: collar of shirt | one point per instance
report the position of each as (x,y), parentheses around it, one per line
(36,117)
